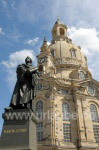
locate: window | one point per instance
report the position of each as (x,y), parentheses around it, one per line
(62,91)
(52,53)
(67,132)
(95,120)
(94,114)
(40,68)
(73,53)
(82,75)
(65,111)
(39,114)
(40,132)
(62,32)
(66,122)
(96,132)
(91,90)
(39,109)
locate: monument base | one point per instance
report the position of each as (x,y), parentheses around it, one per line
(19,130)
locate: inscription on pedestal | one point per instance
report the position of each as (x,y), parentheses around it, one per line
(11,131)
(19,133)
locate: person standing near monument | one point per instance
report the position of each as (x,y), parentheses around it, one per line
(24,90)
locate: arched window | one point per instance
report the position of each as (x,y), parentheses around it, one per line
(73,53)
(39,114)
(52,53)
(62,32)
(65,110)
(40,68)
(39,109)
(94,114)
(82,75)
(95,120)
(96,132)
(40,131)
(66,123)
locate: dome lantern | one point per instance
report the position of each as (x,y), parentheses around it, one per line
(59,30)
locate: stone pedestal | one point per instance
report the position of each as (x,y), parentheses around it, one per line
(19,130)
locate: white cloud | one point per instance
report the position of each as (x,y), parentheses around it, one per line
(48,43)
(76,12)
(15,59)
(32,41)
(73,12)
(88,39)
(1,31)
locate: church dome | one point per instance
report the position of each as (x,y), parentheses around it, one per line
(67,53)
(62,49)
(64,58)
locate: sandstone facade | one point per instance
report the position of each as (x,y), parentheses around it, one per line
(66,95)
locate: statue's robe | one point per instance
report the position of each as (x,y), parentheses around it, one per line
(24,90)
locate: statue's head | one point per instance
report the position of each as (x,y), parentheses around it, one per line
(28,60)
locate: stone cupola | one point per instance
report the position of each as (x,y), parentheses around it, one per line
(59,30)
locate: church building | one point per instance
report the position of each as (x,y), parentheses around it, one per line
(67,96)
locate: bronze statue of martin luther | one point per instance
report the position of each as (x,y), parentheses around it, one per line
(19,127)
(24,90)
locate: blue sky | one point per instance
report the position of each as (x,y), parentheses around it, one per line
(23,25)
